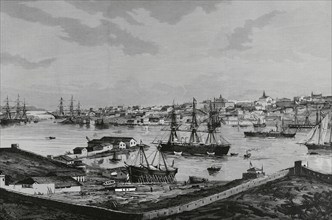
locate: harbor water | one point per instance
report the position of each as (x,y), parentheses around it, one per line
(272,154)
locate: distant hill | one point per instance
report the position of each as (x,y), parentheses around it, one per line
(29,108)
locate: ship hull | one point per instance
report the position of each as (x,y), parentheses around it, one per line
(144,174)
(319,146)
(269,134)
(259,125)
(9,121)
(217,149)
(301,126)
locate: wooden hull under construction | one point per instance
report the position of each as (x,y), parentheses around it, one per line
(196,149)
(146,175)
(269,134)
(319,146)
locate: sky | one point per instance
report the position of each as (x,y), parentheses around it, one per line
(153,52)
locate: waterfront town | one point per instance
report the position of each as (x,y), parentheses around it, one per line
(167,109)
(122,190)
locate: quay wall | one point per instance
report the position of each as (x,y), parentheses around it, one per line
(93,211)
(213,198)
(301,169)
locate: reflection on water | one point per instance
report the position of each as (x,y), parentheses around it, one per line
(272,154)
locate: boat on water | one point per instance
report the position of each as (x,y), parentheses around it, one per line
(234,154)
(51,137)
(143,171)
(316,138)
(269,134)
(306,124)
(195,146)
(247,155)
(19,116)
(214,168)
(253,172)
(272,133)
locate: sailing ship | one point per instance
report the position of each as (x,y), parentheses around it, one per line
(316,138)
(306,124)
(73,118)
(59,114)
(157,171)
(195,146)
(272,133)
(19,116)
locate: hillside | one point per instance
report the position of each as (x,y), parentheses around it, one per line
(17,164)
(287,198)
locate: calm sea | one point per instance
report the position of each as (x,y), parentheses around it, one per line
(272,154)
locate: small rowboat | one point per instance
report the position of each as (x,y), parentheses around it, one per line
(178,153)
(214,168)
(247,155)
(210,154)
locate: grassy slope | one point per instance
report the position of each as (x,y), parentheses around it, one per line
(288,198)
(17,164)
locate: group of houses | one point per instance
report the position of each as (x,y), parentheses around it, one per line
(54,182)
(59,179)
(103,144)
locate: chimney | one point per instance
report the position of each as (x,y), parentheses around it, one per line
(15,146)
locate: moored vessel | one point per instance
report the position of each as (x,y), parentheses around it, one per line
(195,146)
(157,170)
(272,133)
(316,138)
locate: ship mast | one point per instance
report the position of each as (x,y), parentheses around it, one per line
(194,125)
(295,116)
(174,126)
(212,125)
(78,108)
(307,122)
(18,107)
(71,107)
(7,108)
(61,112)
(24,112)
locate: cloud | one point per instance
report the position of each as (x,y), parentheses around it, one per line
(241,35)
(105,33)
(17,60)
(170,12)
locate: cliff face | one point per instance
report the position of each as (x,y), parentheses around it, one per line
(287,198)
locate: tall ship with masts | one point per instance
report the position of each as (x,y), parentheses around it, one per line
(19,116)
(214,144)
(144,171)
(317,138)
(283,133)
(306,124)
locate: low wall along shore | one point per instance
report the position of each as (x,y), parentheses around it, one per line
(102,213)
(213,198)
(94,212)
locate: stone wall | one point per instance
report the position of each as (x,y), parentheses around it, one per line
(95,212)
(301,169)
(213,198)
